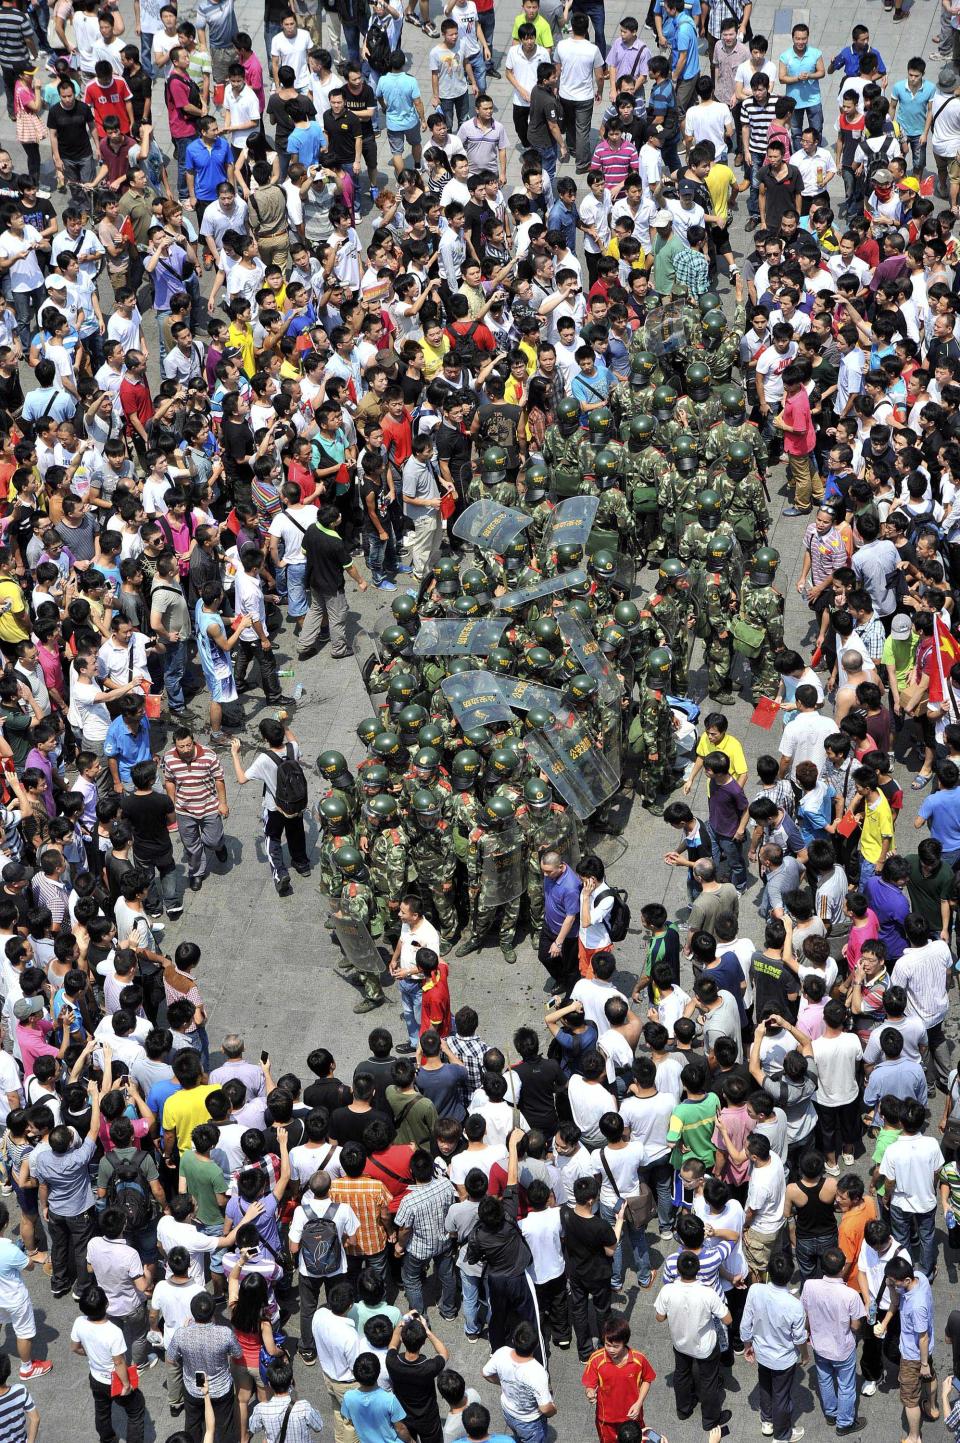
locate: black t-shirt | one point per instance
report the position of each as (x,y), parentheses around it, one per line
(952,1331)
(148,818)
(363,100)
(341,132)
(411,386)
(780,193)
(369,486)
(72,129)
(237,440)
(584,1241)
(279,112)
(328,1092)
(347,1126)
(541,1078)
(39,214)
(381,1070)
(722,1075)
(415,1387)
(477,216)
(772,980)
(327,558)
(141,90)
(454,447)
(544,107)
(498,422)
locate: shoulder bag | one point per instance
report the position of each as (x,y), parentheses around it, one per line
(640,1207)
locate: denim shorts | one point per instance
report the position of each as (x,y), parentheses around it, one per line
(400,139)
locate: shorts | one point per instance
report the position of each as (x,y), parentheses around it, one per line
(400,139)
(912,1385)
(368,149)
(953,166)
(28,1200)
(20,1317)
(759,1248)
(585,956)
(222,687)
(720,236)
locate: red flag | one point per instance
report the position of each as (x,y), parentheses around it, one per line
(945,653)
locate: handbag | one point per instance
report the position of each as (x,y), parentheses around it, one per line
(747,640)
(641,1206)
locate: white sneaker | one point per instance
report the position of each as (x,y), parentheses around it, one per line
(868,1389)
(832,1170)
(847,1158)
(795,1436)
(766,1429)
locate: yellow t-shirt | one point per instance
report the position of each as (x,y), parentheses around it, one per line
(242,338)
(12,601)
(877,824)
(433,355)
(720,183)
(730,747)
(185,1110)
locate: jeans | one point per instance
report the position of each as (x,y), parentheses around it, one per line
(174,667)
(852,191)
(25,305)
(918,155)
(69,1237)
(382,553)
(488,21)
(638,1242)
(479,66)
(456,108)
(270,32)
(351,39)
(474,1303)
(813,120)
(154,168)
(922,1226)
(548,159)
(776,1401)
(198,835)
(161,316)
(411,1004)
(659,1176)
(940,1052)
(867,870)
(731,852)
(133,1405)
(414,1272)
(752,170)
(532,1430)
(837,1386)
(594,11)
(297,601)
(146,54)
(810,1249)
(577,120)
(165,894)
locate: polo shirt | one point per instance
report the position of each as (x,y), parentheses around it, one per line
(128,747)
(326,559)
(561,898)
(208,166)
(911,105)
(941,811)
(730,747)
(681,33)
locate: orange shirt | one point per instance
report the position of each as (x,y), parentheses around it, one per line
(617,1384)
(850,1233)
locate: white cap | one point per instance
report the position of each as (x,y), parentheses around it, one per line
(55,283)
(661,219)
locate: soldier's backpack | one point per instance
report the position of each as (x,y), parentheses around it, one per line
(129,1190)
(618,919)
(290,787)
(321,1251)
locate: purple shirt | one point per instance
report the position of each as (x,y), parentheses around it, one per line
(727,804)
(831,1307)
(629,60)
(42,762)
(891,907)
(561,899)
(246,1072)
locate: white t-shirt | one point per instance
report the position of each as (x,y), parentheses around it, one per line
(102,1342)
(426,935)
(836,1059)
(709,122)
(588,1103)
(293,52)
(524,1385)
(593,995)
(244,110)
(483,1158)
(728,1220)
(341,1215)
(92,718)
(578,59)
(771,366)
(582,1163)
(616,1049)
(289,526)
(803,739)
(691,1311)
(306,1160)
(623,1162)
(524,70)
(9,1082)
(915,1162)
(262,769)
(596,934)
(25,273)
(172,1234)
(648,1119)
(542,1232)
(172,1302)
(765,1194)
(814,169)
(744,74)
(596,213)
(125,329)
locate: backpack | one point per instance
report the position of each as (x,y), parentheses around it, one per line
(466,348)
(290,788)
(193,97)
(129,1190)
(880,159)
(321,1251)
(379,53)
(618,921)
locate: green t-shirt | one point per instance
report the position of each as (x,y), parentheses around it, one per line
(123,1154)
(691,1129)
(361,1313)
(885,1137)
(204,1179)
(900,655)
(414,1118)
(926,893)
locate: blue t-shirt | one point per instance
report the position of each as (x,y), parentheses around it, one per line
(13,1260)
(127,747)
(208,165)
(681,33)
(590,389)
(306,142)
(373,1414)
(728,975)
(399,91)
(850,59)
(942,811)
(912,107)
(804,92)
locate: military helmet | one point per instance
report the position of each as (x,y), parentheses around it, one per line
(612,638)
(334,813)
(685,455)
(538,718)
(603,564)
(537,794)
(493,464)
(431,735)
(401,687)
(479,738)
(405,610)
(582,687)
(715,326)
(579,608)
(709,301)
(457,664)
(719,549)
(425,806)
(731,399)
(474,582)
(698,380)
(659,666)
(396,639)
(599,423)
(536,482)
(569,663)
(640,432)
(502,762)
(739,459)
(538,659)
(546,630)
(606,468)
(467,606)
(709,509)
(333,766)
(387,746)
(627,615)
(764,566)
(381,811)
(671,569)
(568,414)
(375,778)
(427,759)
(569,555)
(664,403)
(518,549)
(500,661)
(642,367)
(465,768)
(448,576)
(350,862)
(368,729)
(499,810)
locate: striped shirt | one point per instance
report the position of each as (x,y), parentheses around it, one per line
(924,972)
(616,163)
(367,1197)
(15,1404)
(712,1258)
(47,892)
(195,781)
(758,120)
(15,31)
(304,1423)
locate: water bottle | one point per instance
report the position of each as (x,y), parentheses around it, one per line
(298,691)
(285,671)
(872,1315)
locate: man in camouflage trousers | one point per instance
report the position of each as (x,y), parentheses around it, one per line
(650,739)
(495,868)
(357,900)
(762,606)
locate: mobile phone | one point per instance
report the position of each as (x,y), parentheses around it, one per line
(264,1057)
(199,1379)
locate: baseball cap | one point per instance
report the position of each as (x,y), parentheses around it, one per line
(883,176)
(55,283)
(13,873)
(902,627)
(909,182)
(661,219)
(25,1007)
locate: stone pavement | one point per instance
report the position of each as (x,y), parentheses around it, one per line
(268,966)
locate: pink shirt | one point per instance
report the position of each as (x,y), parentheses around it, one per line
(32,1044)
(866,931)
(253,71)
(810,1019)
(796,412)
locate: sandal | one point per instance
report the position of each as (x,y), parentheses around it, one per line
(921,780)
(413,20)
(430,29)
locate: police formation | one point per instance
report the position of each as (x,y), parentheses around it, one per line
(526,695)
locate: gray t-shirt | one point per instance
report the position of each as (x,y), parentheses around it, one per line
(875,566)
(724,902)
(167,599)
(419,480)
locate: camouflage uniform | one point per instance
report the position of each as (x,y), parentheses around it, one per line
(542,515)
(331,878)
(387,862)
(382,674)
(434,859)
(677,501)
(543,832)
(719,604)
(696,539)
(762,606)
(489,842)
(651,744)
(721,435)
(628,401)
(348,798)
(357,900)
(744,503)
(503,492)
(614,514)
(672,610)
(562,453)
(722,360)
(699,417)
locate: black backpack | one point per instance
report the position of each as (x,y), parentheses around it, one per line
(321,1251)
(193,97)
(129,1190)
(379,53)
(466,349)
(290,788)
(618,920)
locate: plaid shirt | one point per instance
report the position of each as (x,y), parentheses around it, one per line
(367,1197)
(424,1209)
(873,636)
(469,1052)
(692,269)
(304,1425)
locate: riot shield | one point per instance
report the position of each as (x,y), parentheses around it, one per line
(359,948)
(586,649)
(490,526)
(549,586)
(664,332)
(522,695)
(366,651)
(557,834)
(575,765)
(571,521)
(450,636)
(476,699)
(501,866)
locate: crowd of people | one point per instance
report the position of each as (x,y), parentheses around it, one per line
(275,324)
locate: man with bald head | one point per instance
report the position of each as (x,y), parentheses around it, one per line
(252,1075)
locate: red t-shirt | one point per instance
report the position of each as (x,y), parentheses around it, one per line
(398,437)
(110,99)
(617,1384)
(435,1010)
(135,400)
(796,412)
(397,1159)
(482,336)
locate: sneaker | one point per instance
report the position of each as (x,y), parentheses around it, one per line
(386,585)
(869,1389)
(150,1361)
(374,192)
(796,511)
(832,1170)
(36,1369)
(847,1158)
(308,1357)
(284,887)
(404,1048)
(796,1435)
(174,912)
(845,1429)
(404,570)
(766,1429)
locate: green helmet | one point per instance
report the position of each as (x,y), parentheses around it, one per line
(368,729)
(659,666)
(709,301)
(497,811)
(685,455)
(467,606)
(764,566)
(709,508)
(473,582)
(569,555)
(493,464)
(518,550)
(431,735)
(603,564)
(536,482)
(425,808)
(479,738)
(612,638)
(395,639)
(568,414)
(599,423)
(500,661)
(381,811)
(402,686)
(546,630)
(739,460)
(664,403)
(537,795)
(465,768)
(387,746)
(580,609)
(582,687)
(671,570)
(502,762)
(719,550)
(333,766)
(375,778)
(538,659)
(647,361)
(405,611)
(569,664)
(698,380)
(350,863)
(640,432)
(627,615)
(715,327)
(606,468)
(427,759)
(334,814)
(446,566)
(448,587)
(457,664)
(731,399)
(538,718)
